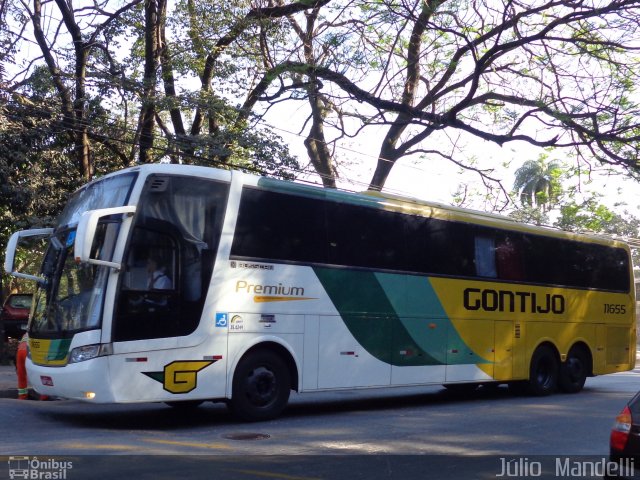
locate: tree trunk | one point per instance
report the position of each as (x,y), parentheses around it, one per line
(168,79)
(82,147)
(315,142)
(389,152)
(151,64)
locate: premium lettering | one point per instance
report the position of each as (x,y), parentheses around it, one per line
(279,289)
(489,300)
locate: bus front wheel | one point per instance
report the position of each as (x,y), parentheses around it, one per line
(574,371)
(543,373)
(261,386)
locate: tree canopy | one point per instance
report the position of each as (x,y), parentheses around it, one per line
(553,74)
(111,83)
(185,80)
(538,183)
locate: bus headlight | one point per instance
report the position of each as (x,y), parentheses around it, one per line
(87,352)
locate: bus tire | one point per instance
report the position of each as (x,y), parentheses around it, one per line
(574,371)
(543,372)
(261,386)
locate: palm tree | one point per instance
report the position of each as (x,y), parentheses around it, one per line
(538,182)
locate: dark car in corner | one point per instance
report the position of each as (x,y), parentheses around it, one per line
(624,444)
(15,314)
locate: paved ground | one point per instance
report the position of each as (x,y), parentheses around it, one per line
(8,381)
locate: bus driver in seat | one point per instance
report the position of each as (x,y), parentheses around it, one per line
(157,278)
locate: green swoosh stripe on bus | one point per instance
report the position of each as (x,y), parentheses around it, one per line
(389,313)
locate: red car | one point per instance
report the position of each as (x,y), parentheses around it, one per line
(15,314)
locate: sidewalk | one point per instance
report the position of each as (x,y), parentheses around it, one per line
(8,382)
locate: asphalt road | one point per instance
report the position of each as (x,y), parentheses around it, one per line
(397,433)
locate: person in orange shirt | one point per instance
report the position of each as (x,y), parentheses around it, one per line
(21,370)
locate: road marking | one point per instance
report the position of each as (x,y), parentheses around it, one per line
(282,476)
(140,448)
(210,446)
(85,446)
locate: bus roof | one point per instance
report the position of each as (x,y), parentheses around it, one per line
(374,199)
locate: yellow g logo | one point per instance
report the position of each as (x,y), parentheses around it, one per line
(180,376)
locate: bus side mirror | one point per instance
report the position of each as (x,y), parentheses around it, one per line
(12,246)
(86,232)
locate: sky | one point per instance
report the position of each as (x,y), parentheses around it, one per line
(436,179)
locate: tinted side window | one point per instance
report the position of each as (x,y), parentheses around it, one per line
(439,247)
(545,260)
(510,262)
(485,256)
(278,226)
(575,264)
(612,269)
(365,237)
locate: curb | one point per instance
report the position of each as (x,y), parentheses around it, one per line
(13,393)
(9,393)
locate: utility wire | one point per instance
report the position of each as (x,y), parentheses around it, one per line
(166,151)
(631,241)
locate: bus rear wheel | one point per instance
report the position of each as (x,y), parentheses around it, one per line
(543,373)
(261,386)
(574,371)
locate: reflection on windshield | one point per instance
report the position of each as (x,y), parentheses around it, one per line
(71,298)
(109,192)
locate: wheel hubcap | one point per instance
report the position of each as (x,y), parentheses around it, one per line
(261,386)
(544,375)
(574,368)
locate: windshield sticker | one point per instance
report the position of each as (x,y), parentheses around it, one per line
(71,238)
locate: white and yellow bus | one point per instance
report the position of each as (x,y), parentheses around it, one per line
(271,286)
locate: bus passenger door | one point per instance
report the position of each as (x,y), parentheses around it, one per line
(503,350)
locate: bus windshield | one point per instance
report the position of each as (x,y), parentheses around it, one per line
(71,297)
(110,192)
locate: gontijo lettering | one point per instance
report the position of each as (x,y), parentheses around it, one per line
(507,301)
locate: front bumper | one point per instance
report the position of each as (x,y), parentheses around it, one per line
(88,381)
